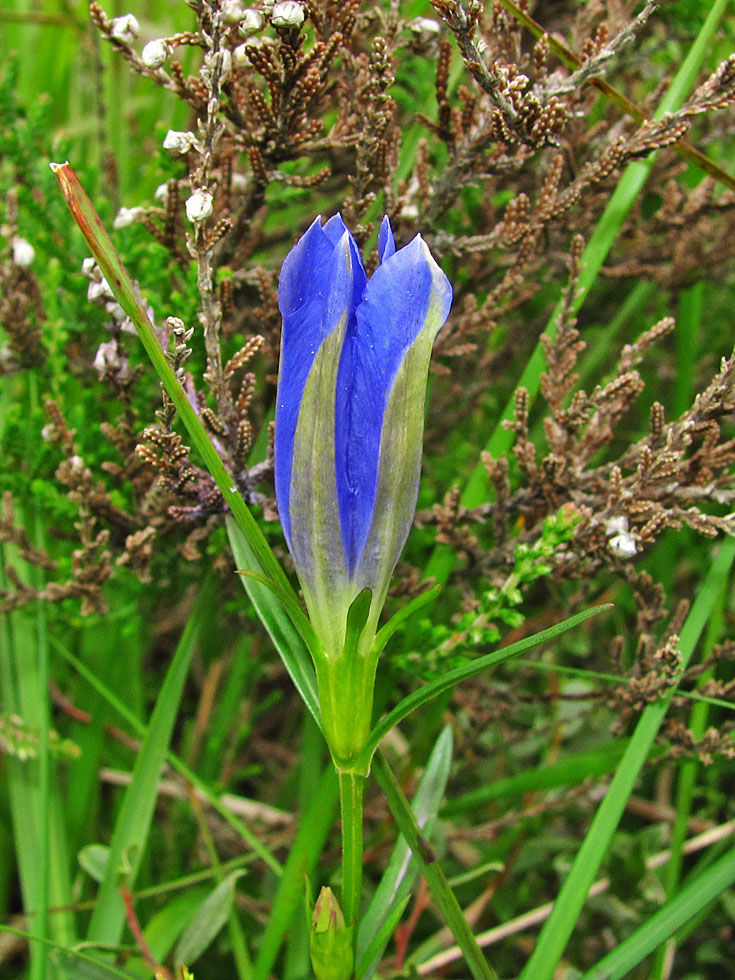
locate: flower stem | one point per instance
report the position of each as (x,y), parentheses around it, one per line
(351,786)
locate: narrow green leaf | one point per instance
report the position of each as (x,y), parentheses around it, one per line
(296,613)
(454,677)
(608,228)
(212,798)
(399,618)
(571,771)
(94,859)
(86,217)
(310,839)
(286,638)
(664,923)
(209,919)
(395,886)
(560,924)
(136,813)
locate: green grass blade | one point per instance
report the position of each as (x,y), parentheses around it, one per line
(432,872)
(664,923)
(136,813)
(560,924)
(308,844)
(100,243)
(595,253)
(395,886)
(459,674)
(571,771)
(212,798)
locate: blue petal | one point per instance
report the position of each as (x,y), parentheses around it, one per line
(386,241)
(316,286)
(391,316)
(335,228)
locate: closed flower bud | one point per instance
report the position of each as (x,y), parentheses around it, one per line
(23,253)
(232,12)
(126,217)
(623,545)
(288,13)
(125,29)
(156,53)
(350,412)
(199,206)
(176,141)
(251,22)
(330,939)
(424,28)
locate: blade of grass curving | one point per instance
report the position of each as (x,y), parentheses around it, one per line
(136,812)
(472,669)
(255,553)
(395,886)
(607,230)
(664,923)
(213,799)
(100,243)
(572,60)
(432,872)
(560,924)
(308,844)
(688,771)
(571,771)
(79,964)
(399,618)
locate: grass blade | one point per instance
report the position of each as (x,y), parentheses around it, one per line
(558,928)
(136,813)
(664,923)
(595,253)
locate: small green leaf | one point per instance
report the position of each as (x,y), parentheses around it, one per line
(207,922)
(93,859)
(402,615)
(356,618)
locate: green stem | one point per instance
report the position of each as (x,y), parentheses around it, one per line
(351,789)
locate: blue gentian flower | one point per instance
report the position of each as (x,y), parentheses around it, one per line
(349,414)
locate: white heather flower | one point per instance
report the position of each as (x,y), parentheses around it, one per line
(99,292)
(409,212)
(226,61)
(623,545)
(161,193)
(251,22)
(238,182)
(424,27)
(90,269)
(23,252)
(107,357)
(77,464)
(199,206)
(126,217)
(176,141)
(156,53)
(48,432)
(240,55)
(287,13)
(617,524)
(125,29)
(232,11)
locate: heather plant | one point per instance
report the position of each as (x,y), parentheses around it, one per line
(202,780)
